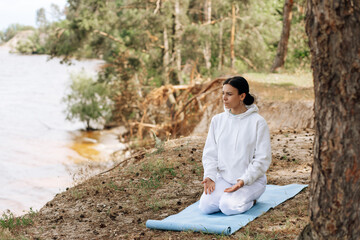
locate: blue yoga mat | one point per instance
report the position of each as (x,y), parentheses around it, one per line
(191,219)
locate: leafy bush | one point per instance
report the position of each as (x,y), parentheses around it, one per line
(89,101)
(34,44)
(10,221)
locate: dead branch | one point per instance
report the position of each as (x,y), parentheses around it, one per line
(174,110)
(248,62)
(141,153)
(104,34)
(157,6)
(195,97)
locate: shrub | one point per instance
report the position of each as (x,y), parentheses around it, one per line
(9,220)
(89,101)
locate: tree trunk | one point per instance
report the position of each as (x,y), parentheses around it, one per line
(178,41)
(207,48)
(333,28)
(221,52)
(282,46)
(166,58)
(232,39)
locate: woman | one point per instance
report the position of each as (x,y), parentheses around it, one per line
(237,153)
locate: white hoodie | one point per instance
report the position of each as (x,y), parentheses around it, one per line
(237,147)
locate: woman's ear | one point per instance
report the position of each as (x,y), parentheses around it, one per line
(242,96)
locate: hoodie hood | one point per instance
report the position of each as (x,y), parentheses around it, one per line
(250,109)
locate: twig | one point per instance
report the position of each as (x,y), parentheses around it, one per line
(157,6)
(118,164)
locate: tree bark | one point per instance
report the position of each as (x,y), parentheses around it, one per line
(333,28)
(221,52)
(178,41)
(282,46)
(166,58)
(207,48)
(232,39)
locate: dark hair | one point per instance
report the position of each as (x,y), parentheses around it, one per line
(242,86)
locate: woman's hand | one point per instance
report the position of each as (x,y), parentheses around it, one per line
(209,185)
(238,185)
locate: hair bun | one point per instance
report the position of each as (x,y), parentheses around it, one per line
(249,99)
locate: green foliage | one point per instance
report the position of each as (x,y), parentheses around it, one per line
(138,27)
(34,44)
(11,31)
(10,221)
(159,144)
(129,35)
(106,29)
(88,100)
(62,40)
(298,56)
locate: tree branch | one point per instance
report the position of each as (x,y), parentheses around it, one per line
(248,62)
(104,34)
(157,6)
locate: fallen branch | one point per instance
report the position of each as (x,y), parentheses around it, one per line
(125,160)
(195,97)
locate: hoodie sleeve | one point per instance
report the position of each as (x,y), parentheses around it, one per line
(209,157)
(262,155)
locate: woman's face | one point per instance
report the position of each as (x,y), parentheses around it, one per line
(231,97)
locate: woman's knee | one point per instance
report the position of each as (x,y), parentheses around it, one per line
(207,206)
(226,206)
(206,209)
(229,207)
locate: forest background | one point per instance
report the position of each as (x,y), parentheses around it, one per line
(147,44)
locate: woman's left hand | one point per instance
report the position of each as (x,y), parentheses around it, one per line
(238,185)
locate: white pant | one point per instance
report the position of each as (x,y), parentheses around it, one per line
(231,203)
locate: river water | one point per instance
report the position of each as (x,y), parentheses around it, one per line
(40,151)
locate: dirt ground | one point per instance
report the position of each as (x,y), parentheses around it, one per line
(156,183)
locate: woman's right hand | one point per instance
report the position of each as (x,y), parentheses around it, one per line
(209,185)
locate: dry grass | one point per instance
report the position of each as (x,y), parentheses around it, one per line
(300,79)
